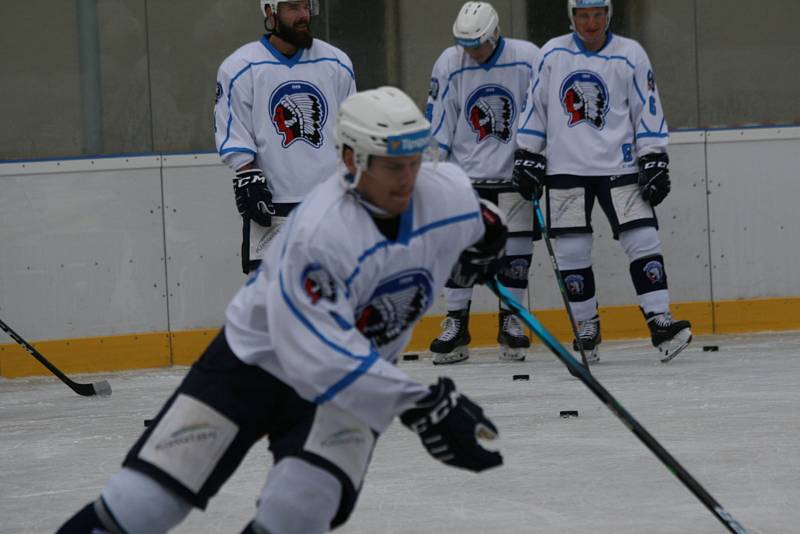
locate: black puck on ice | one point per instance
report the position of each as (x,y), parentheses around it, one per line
(710,348)
(148,422)
(568,413)
(521,377)
(409,357)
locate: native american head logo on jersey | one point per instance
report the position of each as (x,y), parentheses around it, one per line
(395,305)
(490,111)
(299,111)
(584,97)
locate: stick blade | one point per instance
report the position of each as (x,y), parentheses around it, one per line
(102,388)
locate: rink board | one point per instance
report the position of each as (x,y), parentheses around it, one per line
(142,253)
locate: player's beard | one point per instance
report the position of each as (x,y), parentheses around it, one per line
(302,38)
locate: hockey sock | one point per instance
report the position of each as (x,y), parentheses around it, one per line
(457,298)
(581,292)
(650,280)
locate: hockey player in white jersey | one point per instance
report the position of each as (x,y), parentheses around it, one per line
(307,354)
(477,92)
(275,107)
(595,110)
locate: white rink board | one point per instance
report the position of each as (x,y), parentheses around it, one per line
(81,248)
(204,237)
(104,220)
(729,417)
(754,183)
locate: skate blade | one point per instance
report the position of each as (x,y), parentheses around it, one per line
(673,347)
(451,357)
(512,355)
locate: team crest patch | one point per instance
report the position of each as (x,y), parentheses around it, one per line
(574,284)
(490,111)
(318,284)
(298,111)
(651,81)
(584,97)
(654,271)
(395,306)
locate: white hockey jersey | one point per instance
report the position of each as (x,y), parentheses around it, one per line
(595,113)
(334,302)
(281,112)
(474,108)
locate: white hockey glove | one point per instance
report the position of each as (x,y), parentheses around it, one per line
(449,425)
(253,198)
(654,177)
(480,262)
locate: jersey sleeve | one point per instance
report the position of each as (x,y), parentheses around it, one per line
(233,115)
(347,80)
(532,125)
(443,108)
(325,357)
(647,115)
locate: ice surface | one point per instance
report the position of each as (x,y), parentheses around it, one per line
(732,418)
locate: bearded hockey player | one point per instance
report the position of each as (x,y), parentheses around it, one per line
(275,107)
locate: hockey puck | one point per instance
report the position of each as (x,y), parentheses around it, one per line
(568,413)
(410,357)
(710,348)
(148,422)
(521,377)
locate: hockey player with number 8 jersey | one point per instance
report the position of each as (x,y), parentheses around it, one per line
(594,108)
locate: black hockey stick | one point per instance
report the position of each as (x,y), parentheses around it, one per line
(616,408)
(559,280)
(87,390)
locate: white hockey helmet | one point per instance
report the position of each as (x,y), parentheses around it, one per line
(572,5)
(313,5)
(380,122)
(476,23)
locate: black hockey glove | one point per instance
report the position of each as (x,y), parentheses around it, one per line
(529,172)
(253,198)
(449,425)
(654,177)
(480,262)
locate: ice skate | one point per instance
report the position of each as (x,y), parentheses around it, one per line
(670,337)
(512,339)
(589,336)
(452,345)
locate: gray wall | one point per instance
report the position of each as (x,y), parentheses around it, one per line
(719,63)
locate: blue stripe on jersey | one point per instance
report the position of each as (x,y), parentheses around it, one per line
(476,67)
(650,133)
(307,323)
(533,107)
(237,149)
(444,147)
(537,133)
(295,59)
(590,55)
(348,379)
(366,361)
(441,123)
(416,233)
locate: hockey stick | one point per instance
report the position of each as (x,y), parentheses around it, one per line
(559,280)
(616,408)
(87,390)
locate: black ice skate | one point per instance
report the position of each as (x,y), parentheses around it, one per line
(589,336)
(668,336)
(512,339)
(452,346)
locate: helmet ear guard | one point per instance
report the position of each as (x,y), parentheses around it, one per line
(380,122)
(476,23)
